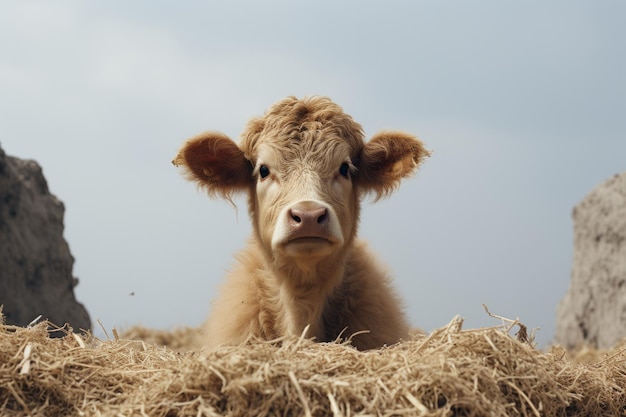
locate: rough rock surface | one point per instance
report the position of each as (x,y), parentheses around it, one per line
(35,260)
(593,311)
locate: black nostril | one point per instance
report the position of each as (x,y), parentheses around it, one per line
(321,219)
(296,215)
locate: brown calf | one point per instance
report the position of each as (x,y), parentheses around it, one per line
(305,166)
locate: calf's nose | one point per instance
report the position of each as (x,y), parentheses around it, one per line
(308,218)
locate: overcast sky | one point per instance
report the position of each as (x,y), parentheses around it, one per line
(522,103)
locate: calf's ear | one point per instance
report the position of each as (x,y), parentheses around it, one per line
(214,162)
(388,157)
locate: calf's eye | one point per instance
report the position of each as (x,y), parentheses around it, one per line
(344,169)
(264,171)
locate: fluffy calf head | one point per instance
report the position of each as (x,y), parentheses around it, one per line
(304,165)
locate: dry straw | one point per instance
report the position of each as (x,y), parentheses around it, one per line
(450,372)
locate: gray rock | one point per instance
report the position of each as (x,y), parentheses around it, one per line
(593,311)
(35,260)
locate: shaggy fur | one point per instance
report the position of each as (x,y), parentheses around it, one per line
(305,166)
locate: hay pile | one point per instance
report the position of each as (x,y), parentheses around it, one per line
(451,372)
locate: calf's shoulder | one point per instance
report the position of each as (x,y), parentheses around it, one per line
(247,305)
(366,302)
